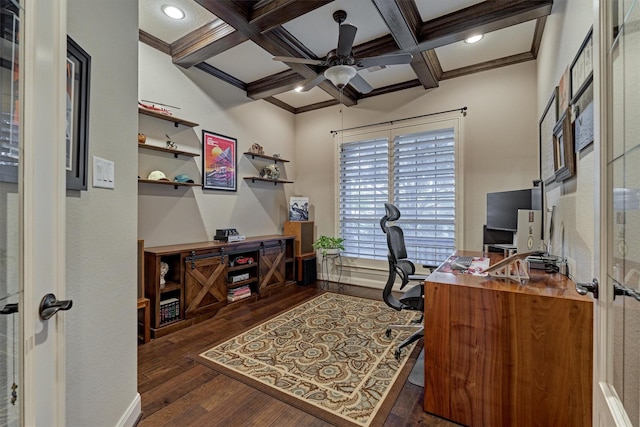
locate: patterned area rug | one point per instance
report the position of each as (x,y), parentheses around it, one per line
(328,356)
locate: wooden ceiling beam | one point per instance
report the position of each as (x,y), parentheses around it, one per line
(482,18)
(403,20)
(274,84)
(270,14)
(204,43)
(237,14)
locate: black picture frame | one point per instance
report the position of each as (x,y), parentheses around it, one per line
(78,68)
(546,125)
(581,68)
(219,162)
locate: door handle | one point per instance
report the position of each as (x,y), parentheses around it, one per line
(9,309)
(584,288)
(50,306)
(620,289)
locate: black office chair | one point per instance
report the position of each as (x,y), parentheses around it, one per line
(403,268)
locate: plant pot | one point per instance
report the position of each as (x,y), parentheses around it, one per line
(331,251)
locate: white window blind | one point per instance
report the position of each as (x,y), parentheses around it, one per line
(416,172)
(364,189)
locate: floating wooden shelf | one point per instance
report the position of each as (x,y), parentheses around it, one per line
(176,120)
(274,181)
(262,156)
(167,150)
(175,184)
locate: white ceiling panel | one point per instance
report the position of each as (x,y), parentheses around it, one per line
(319,32)
(388,76)
(152,20)
(247,62)
(430,9)
(300,99)
(497,44)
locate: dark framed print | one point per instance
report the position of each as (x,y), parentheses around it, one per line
(545,130)
(563,154)
(219,154)
(583,119)
(78,71)
(582,68)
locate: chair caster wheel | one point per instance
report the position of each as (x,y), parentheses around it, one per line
(397,354)
(388,333)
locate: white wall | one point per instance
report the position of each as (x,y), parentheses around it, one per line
(168,216)
(565,29)
(101,350)
(500,139)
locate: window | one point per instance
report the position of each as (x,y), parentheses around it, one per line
(415,170)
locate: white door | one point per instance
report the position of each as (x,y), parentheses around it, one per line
(617,332)
(32,215)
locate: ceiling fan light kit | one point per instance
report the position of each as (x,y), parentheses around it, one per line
(342,65)
(340,75)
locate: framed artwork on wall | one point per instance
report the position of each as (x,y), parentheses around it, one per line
(545,130)
(563,153)
(219,154)
(582,68)
(78,72)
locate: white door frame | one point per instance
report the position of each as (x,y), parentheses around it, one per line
(43,190)
(608,409)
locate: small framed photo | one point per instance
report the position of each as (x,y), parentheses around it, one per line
(219,154)
(581,69)
(563,153)
(77,84)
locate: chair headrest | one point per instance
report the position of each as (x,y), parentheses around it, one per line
(393,214)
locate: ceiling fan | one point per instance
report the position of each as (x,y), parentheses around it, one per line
(342,65)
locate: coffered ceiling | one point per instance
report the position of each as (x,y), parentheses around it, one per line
(236,41)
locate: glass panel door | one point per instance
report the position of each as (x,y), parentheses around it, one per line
(10,283)
(623,174)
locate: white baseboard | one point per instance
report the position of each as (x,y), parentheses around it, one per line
(130,417)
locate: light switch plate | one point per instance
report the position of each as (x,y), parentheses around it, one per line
(103,173)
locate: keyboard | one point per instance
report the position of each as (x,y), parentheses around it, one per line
(461,263)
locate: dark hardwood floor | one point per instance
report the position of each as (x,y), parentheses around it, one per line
(177,391)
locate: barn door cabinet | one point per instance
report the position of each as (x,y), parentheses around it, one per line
(205,278)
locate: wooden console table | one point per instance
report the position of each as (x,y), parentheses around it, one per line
(502,354)
(203,278)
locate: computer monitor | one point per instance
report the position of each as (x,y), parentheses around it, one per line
(502,207)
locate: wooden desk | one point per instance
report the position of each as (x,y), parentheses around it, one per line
(502,354)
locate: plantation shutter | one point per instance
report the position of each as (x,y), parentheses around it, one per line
(413,167)
(363,191)
(424,191)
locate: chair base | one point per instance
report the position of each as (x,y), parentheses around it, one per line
(419,333)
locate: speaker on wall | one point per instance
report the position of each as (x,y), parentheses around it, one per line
(303,231)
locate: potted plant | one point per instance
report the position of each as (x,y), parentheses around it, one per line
(329,245)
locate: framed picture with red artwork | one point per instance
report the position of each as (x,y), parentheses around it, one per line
(219,168)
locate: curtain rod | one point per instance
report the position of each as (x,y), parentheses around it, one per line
(463,110)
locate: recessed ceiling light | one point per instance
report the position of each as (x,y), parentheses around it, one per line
(173,12)
(474,39)
(298,89)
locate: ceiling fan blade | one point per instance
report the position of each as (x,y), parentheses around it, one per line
(360,84)
(345,39)
(400,58)
(295,60)
(313,83)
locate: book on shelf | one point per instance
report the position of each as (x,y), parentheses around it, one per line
(233,298)
(169,310)
(235,294)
